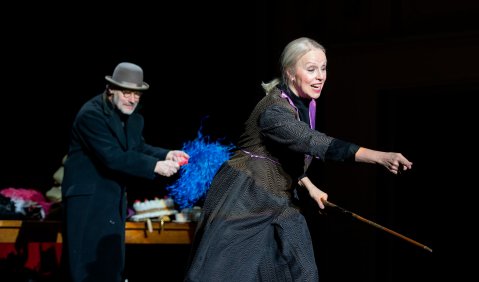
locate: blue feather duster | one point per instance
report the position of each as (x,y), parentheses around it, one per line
(206,157)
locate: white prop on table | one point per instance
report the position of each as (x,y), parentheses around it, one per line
(155,208)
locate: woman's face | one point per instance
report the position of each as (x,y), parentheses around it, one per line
(309,75)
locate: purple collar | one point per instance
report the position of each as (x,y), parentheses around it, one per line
(312,109)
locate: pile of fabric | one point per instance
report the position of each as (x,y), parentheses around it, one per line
(22,203)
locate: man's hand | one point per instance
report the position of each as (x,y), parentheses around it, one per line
(166,168)
(178,156)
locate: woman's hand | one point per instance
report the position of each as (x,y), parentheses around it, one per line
(394,162)
(316,194)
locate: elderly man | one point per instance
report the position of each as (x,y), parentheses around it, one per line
(107,151)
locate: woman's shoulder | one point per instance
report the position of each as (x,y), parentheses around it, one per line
(275,97)
(273,102)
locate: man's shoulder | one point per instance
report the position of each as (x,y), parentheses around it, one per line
(92,107)
(94,103)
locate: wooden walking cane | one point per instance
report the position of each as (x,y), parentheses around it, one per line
(329,204)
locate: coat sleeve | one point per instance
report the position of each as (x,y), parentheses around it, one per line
(279,124)
(100,140)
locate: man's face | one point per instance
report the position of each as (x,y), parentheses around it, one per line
(126,100)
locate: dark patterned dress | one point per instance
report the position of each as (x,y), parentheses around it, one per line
(250,228)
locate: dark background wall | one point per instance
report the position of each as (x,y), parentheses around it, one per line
(402,76)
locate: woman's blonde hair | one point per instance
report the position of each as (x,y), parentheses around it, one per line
(289,57)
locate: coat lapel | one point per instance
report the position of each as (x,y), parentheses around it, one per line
(117,128)
(114,121)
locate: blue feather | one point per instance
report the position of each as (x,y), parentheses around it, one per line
(206,157)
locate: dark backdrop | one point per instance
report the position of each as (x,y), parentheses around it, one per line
(402,76)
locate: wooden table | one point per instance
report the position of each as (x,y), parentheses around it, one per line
(167,233)
(13,231)
(33,247)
